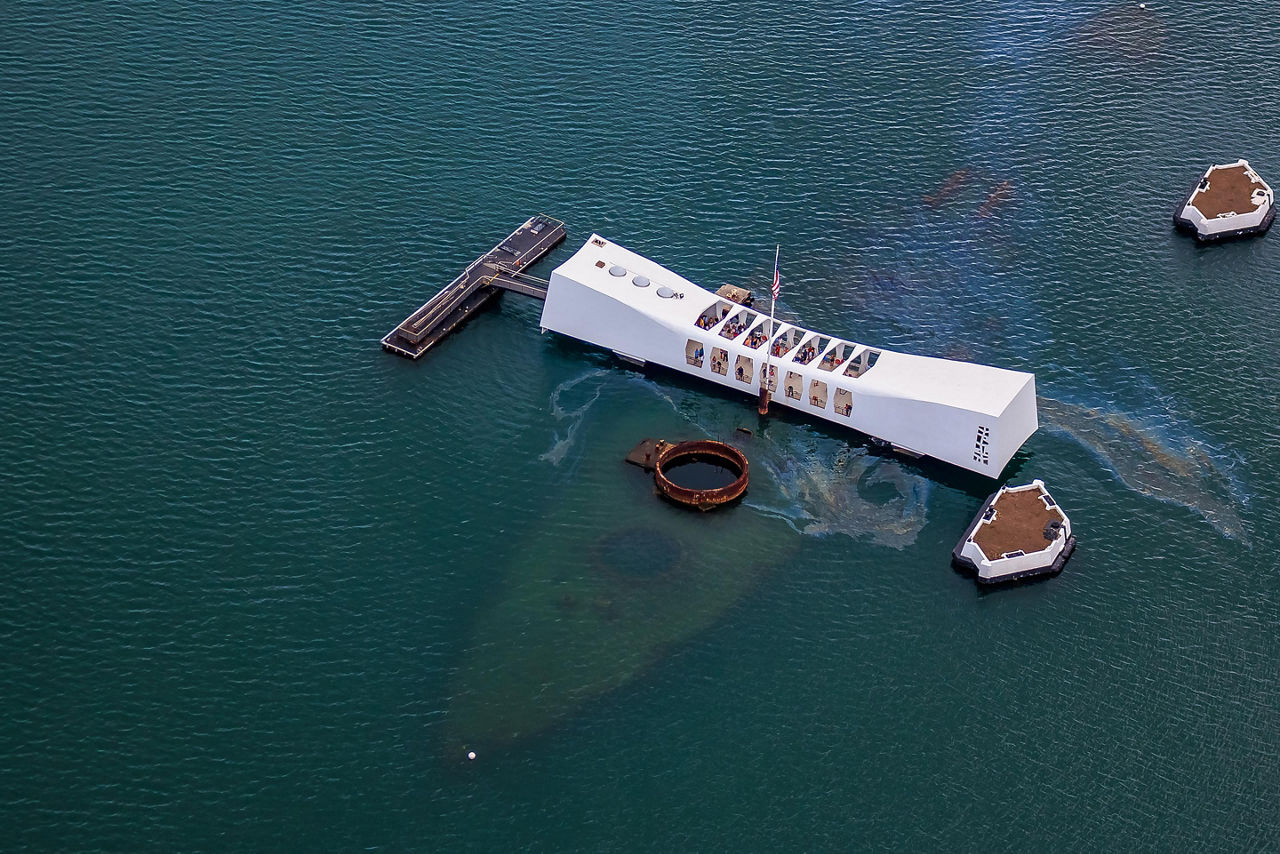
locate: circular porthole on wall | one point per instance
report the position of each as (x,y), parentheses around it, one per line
(640,281)
(615,270)
(665,292)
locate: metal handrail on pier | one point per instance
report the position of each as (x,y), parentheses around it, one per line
(484,279)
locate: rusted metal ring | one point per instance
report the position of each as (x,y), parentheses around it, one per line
(704,449)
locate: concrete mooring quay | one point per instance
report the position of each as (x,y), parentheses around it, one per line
(501,268)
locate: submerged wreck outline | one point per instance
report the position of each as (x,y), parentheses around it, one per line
(575,620)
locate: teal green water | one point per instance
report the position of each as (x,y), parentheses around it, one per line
(264,582)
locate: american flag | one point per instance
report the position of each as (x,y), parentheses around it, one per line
(777,287)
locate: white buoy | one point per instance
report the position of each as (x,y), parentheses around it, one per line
(471,754)
(1142,5)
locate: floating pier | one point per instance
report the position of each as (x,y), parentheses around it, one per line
(501,268)
(1020,532)
(1231,200)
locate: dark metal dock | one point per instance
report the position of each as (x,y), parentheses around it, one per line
(484,279)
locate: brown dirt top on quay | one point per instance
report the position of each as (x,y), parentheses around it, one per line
(1018,525)
(1230,190)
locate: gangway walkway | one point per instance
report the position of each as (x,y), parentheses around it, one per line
(484,279)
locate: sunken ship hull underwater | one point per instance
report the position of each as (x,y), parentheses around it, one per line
(972,416)
(600,590)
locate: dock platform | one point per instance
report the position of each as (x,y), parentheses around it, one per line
(1019,533)
(1231,200)
(501,268)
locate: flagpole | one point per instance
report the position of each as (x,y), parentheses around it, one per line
(765,393)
